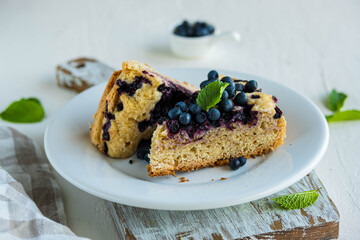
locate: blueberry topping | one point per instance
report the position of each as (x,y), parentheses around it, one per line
(173,126)
(182,106)
(226,105)
(213,114)
(185,118)
(120,106)
(255,96)
(239,87)
(194,109)
(213,75)
(228,80)
(236,163)
(231,91)
(241,99)
(251,86)
(142,152)
(204,84)
(225,95)
(200,117)
(174,113)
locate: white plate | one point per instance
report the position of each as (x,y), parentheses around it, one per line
(71,153)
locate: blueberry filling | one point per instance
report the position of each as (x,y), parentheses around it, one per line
(171,94)
(130,88)
(278,113)
(105,127)
(120,106)
(255,96)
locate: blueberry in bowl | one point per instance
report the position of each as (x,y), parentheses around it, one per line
(197,29)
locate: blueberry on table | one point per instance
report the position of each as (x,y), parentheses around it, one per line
(213,114)
(239,87)
(226,105)
(194,109)
(182,106)
(213,75)
(241,99)
(251,86)
(228,80)
(225,95)
(185,118)
(174,113)
(200,117)
(142,152)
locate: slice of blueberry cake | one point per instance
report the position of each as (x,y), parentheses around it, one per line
(134,99)
(228,121)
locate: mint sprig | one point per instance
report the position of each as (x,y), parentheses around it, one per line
(336,100)
(25,110)
(344,116)
(297,200)
(210,95)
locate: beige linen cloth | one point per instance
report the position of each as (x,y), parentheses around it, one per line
(31,206)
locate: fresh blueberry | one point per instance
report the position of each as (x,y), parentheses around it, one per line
(146,158)
(194,108)
(182,106)
(228,80)
(251,86)
(213,114)
(213,75)
(242,161)
(210,28)
(142,152)
(185,118)
(226,105)
(204,84)
(200,117)
(231,91)
(241,99)
(234,164)
(199,32)
(239,87)
(174,113)
(181,31)
(225,95)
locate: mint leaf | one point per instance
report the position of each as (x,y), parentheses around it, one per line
(210,95)
(297,200)
(344,116)
(336,100)
(24,111)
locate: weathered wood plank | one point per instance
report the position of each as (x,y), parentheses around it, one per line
(261,219)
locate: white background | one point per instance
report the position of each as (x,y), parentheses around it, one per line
(311,46)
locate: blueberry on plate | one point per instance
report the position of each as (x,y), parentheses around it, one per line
(182,106)
(174,113)
(234,164)
(213,75)
(226,105)
(185,118)
(239,87)
(146,158)
(228,80)
(213,114)
(200,117)
(241,99)
(204,84)
(251,86)
(194,109)
(142,152)
(242,161)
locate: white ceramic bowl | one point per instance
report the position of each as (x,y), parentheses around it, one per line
(196,47)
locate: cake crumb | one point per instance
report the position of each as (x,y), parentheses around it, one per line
(183,179)
(131,161)
(223,178)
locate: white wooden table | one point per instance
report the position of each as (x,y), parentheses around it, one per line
(311,46)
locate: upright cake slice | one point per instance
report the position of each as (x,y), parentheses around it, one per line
(134,99)
(246,123)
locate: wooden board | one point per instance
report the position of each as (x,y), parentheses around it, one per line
(261,219)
